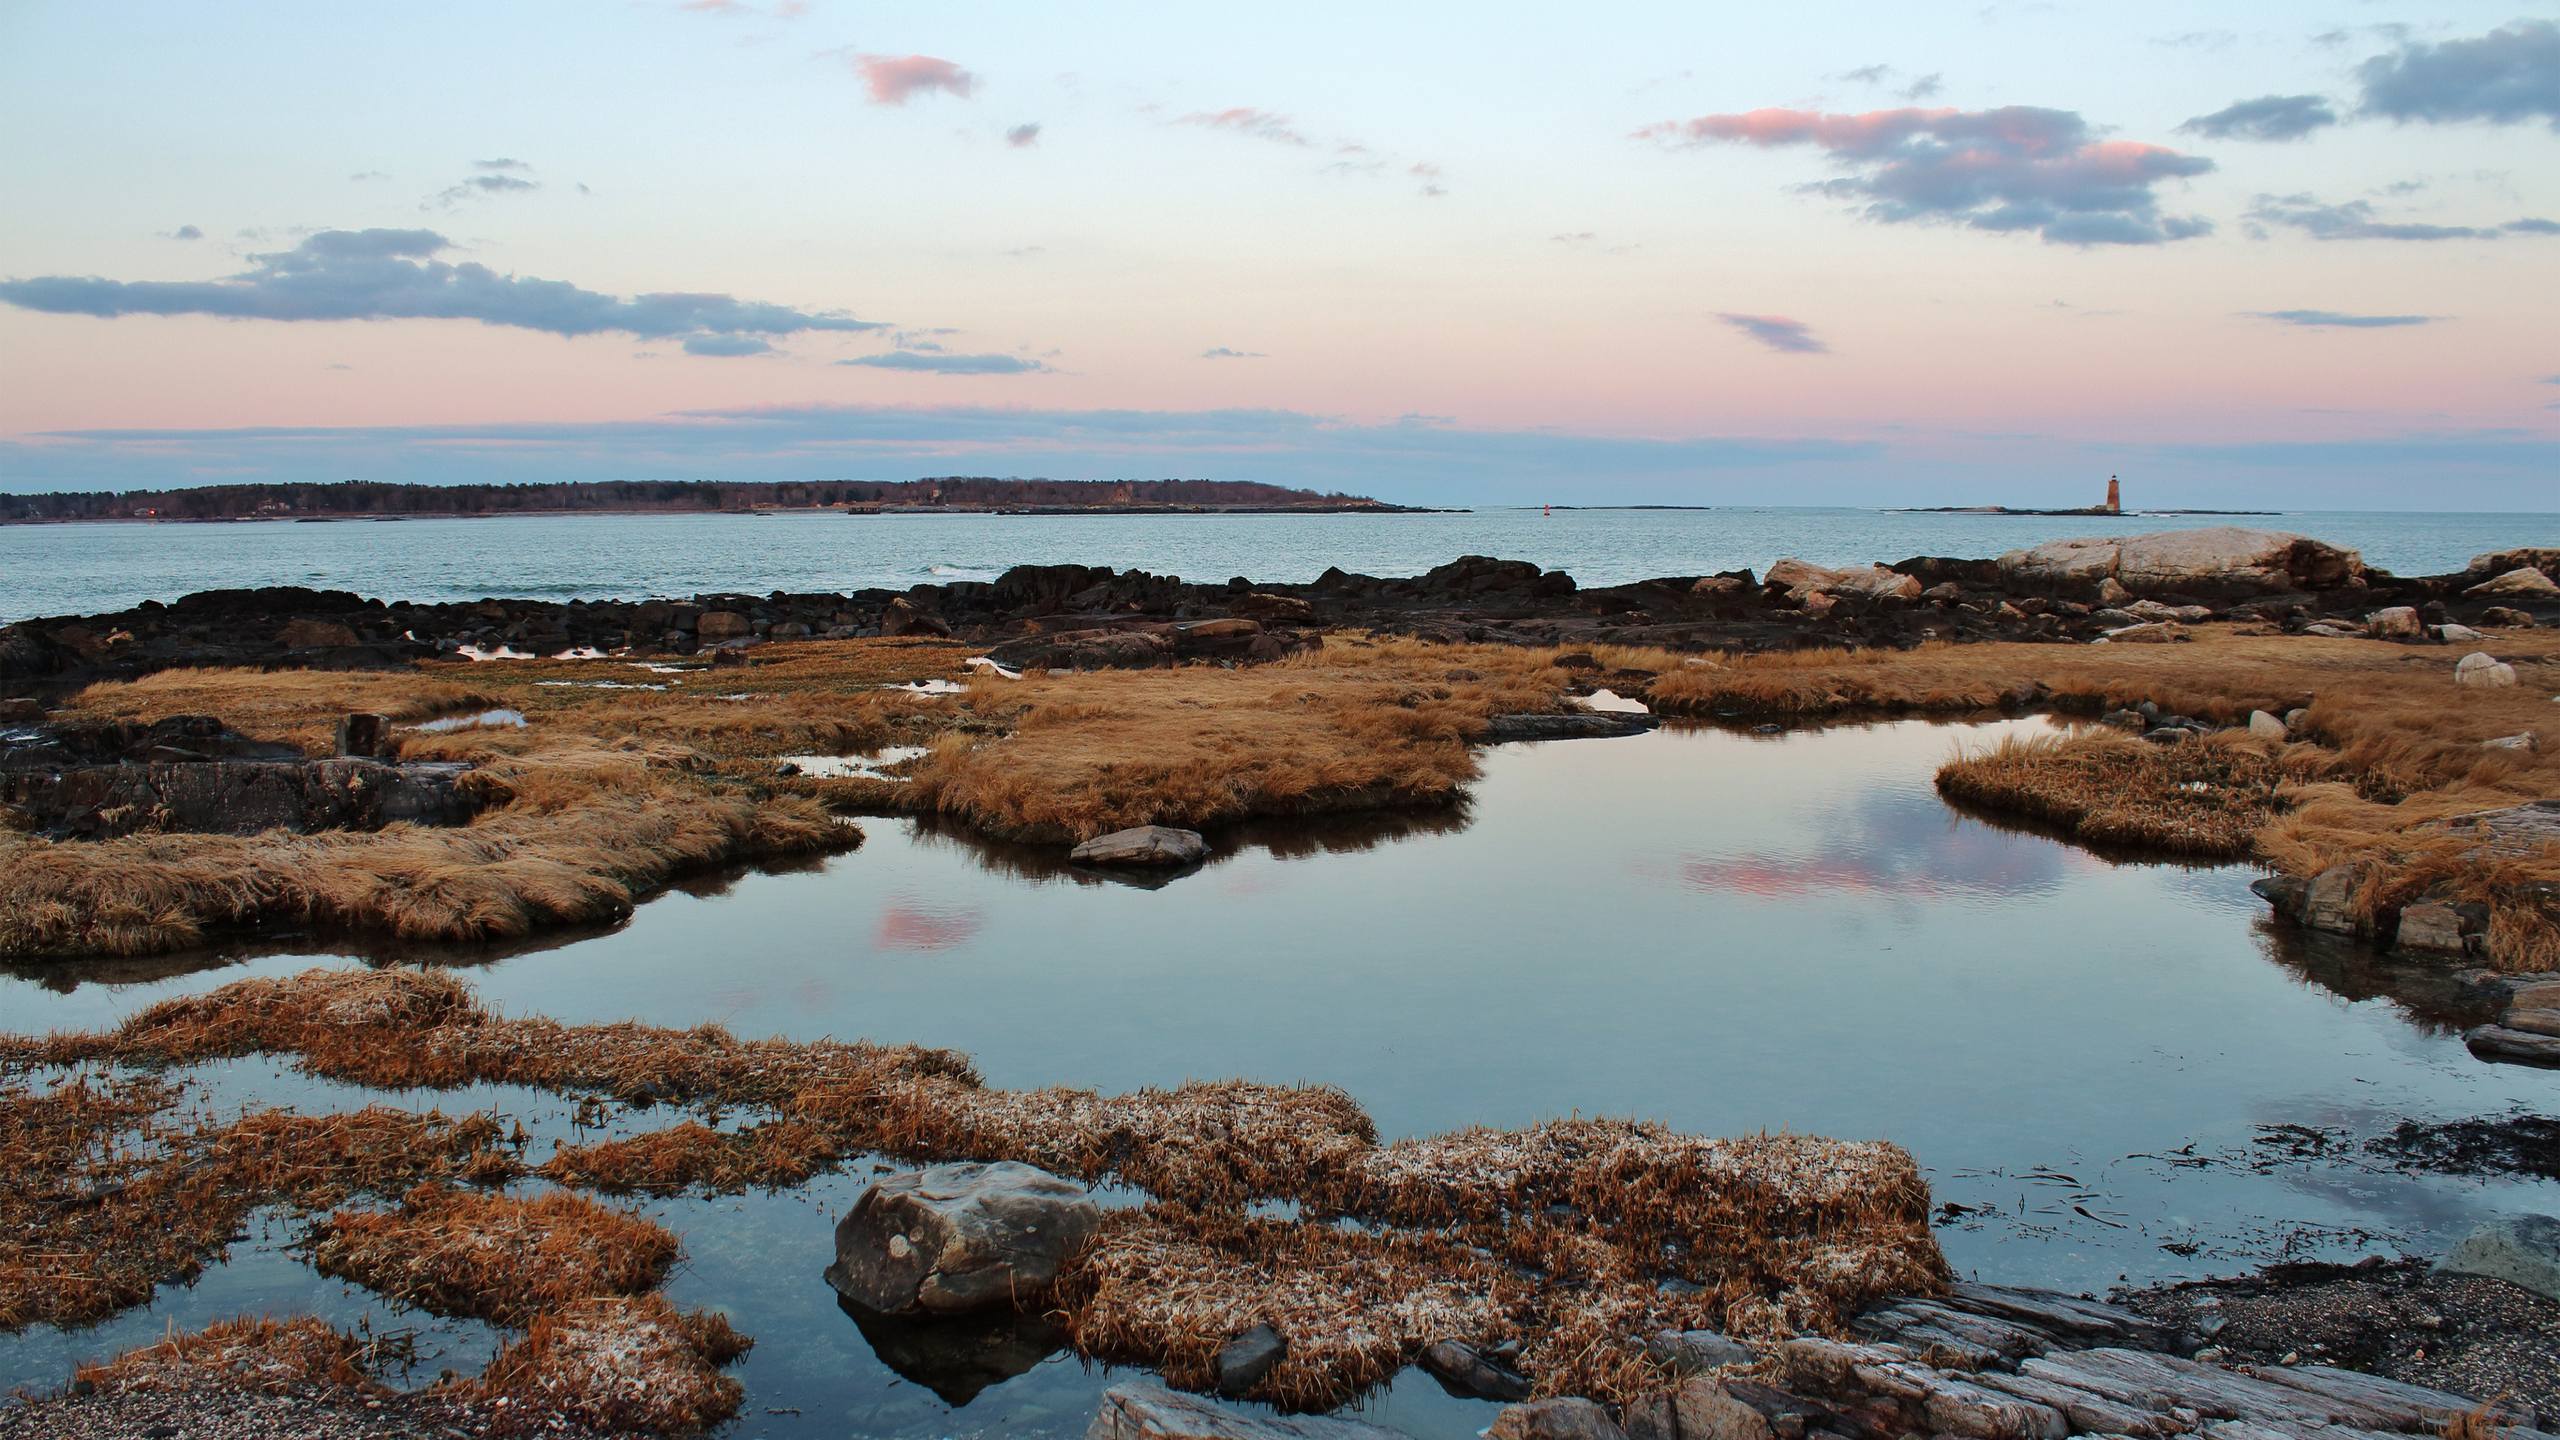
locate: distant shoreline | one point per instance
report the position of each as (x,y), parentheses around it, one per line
(385,517)
(933,495)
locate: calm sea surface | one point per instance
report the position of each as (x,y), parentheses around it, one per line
(84,569)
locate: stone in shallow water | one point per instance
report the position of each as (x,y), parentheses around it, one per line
(1142,845)
(958,1356)
(956,1238)
(1462,1369)
(1246,1359)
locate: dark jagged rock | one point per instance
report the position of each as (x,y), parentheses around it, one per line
(1079,616)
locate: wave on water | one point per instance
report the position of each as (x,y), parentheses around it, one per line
(962,572)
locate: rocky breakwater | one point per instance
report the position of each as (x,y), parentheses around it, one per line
(193,774)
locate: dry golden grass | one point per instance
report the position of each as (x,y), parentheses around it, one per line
(1360,724)
(495,1257)
(2206,797)
(245,1354)
(619,1365)
(109,1197)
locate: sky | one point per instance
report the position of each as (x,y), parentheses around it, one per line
(2301,255)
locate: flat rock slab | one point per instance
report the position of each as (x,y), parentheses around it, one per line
(1143,845)
(2521,1047)
(1141,1411)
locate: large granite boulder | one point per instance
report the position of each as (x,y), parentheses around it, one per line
(2525,582)
(956,1238)
(2222,561)
(1873,581)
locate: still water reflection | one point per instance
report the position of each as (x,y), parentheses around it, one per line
(1724,932)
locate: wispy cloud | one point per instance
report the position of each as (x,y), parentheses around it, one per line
(726,345)
(896,79)
(2509,76)
(1022,137)
(2355,220)
(1221,352)
(1249,121)
(2340,319)
(936,362)
(1777,332)
(395,275)
(186,232)
(477,186)
(1916,87)
(2269,117)
(2018,168)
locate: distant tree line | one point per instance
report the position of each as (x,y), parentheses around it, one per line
(368,497)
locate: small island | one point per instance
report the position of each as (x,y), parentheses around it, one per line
(386,500)
(2114,506)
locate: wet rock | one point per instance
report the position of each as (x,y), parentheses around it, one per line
(2286,894)
(1686,1352)
(179,791)
(714,626)
(1244,1361)
(2520,1249)
(1560,1419)
(315,635)
(2524,582)
(956,1238)
(363,736)
(2265,726)
(1464,1370)
(2399,622)
(2515,1047)
(2125,720)
(1702,1409)
(904,617)
(2431,926)
(2328,903)
(2482,671)
(1145,1411)
(1573,725)
(1158,845)
(1285,609)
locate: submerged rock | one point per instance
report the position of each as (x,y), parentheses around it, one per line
(1143,845)
(1462,1369)
(956,1238)
(1146,1411)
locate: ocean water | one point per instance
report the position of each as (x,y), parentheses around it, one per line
(85,569)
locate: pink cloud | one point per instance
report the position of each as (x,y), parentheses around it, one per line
(1246,120)
(894,79)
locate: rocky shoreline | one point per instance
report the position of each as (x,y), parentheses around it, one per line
(2133,590)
